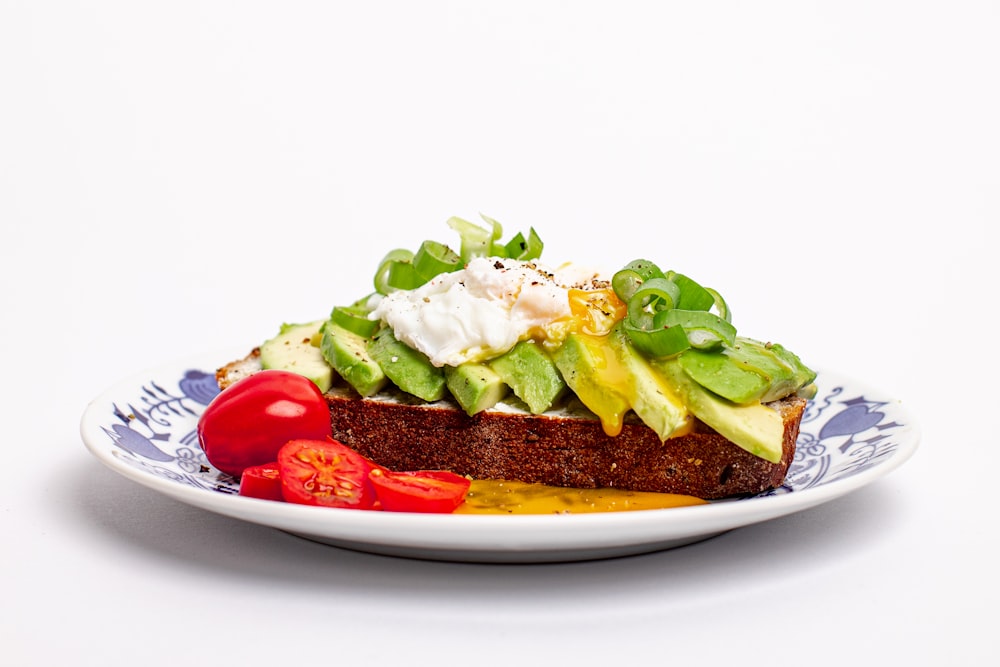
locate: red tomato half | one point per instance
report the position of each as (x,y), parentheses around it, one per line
(249,421)
(327,473)
(262,481)
(436,491)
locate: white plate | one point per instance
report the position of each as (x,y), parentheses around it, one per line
(144,429)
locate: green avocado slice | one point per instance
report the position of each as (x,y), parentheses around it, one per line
(755,427)
(347,352)
(292,350)
(475,386)
(531,374)
(722,374)
(407,368)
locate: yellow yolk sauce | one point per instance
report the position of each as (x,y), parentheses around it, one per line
(595,311)
(492,496)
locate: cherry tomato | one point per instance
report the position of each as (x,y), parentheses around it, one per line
(248,422)
(436,491)
(327,473)
(263,481)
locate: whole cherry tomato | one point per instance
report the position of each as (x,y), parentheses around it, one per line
(263,481)
(249,421)
(436,491)
(326,473)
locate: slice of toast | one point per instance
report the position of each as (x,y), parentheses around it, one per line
(566,448)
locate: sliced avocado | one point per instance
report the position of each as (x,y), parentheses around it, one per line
(650,395)
(348,354)
(755,427)
(784,372)
(408,369)
(808,391)
(531,374)
(803,375)
(293,350)
(592,370)
(721,373)
(475,386)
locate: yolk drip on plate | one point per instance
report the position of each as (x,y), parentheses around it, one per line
(507,497)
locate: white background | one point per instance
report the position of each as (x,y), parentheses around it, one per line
(181,177)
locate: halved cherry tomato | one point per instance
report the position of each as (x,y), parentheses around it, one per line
(436,491)
(248,422)
(327,473)
(263,481)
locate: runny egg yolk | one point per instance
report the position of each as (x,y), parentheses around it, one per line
(596,311)
(492,496)
(592,311)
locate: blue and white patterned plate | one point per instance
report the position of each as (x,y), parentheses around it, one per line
(144,429)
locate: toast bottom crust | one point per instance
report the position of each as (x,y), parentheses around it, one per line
(557,450)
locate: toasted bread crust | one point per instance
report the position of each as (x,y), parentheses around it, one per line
(561,450)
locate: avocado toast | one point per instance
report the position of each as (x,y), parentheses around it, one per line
(487,363)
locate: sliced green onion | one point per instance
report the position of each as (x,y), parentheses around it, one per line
(535,246)
(693,295)
(668,313)
(354,320)
(496,226)
(476,241)
(512,249)
(721,307)
(704,330)
(657,342)
(646,269)
(524,249)
(403,276)
(626,283)
(433,259)
(385,267)
(653,296)
(497,249)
